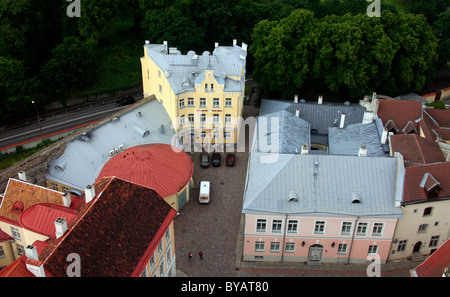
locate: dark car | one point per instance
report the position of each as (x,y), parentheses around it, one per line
(204,160)
(125,101)
(216,159)
(231,159)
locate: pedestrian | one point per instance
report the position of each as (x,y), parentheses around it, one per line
(190,255)
(200,254)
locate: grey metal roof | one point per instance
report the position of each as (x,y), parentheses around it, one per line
(183,70)
(348,140)
(292,132)
(320,116)
(323,185)
(84,157)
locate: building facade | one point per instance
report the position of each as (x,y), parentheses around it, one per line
(203,94)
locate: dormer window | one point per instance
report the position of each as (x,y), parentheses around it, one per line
(17,207)
(430,185)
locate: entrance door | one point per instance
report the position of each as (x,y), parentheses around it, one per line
(315,253)
(417,247)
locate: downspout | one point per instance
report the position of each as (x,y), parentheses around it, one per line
(284,238)
(353,237)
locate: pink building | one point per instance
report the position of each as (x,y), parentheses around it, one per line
(321,208)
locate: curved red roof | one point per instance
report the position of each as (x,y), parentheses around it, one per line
(162,167)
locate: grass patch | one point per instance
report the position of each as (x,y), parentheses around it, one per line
(20,154)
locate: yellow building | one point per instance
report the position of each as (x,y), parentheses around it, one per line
(203,94)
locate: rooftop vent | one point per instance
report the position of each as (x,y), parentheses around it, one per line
(292,196)
(355,198)
(22,176)
(61,227)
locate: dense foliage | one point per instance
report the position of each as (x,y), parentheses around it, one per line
(46,55)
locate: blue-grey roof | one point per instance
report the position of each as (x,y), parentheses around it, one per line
(323,185)
(348,140)
(282,132)
(84,157)
(183,70)
(320,116)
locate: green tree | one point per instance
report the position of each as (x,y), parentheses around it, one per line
(96,17)
(441,29)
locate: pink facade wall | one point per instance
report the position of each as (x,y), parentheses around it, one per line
(329,241)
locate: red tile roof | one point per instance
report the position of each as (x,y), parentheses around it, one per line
(158,166)
(416,150)
(436,264)
(26,194)
(17,268)
(400,112)
(115,234)
(4,236)
(414,176)
(436,122)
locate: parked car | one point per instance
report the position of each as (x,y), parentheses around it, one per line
(125,101)
(204,160)
(215,159)
(231,159)
(204,192)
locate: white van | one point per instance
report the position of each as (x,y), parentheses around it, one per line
(204,192)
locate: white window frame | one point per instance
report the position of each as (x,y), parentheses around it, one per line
(260,246)
(202,100)
(15,233)
(216,100)
(377,230)
(342,249)
(348,225)
(190,101)
(181,103)
(275,247)
(191,118)
(373,250)
(278,223)
(319,223)
(228,118)
(265,225)
(292,223)
(228,102)
(290,247)
(365,226)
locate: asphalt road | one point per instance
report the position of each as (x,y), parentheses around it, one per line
(56,123)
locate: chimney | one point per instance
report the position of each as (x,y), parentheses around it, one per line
(38,271)
(147,42)
(216,44)
(60,226)
(320,99)
(234,42)
(342,123)
(384,136)
(374,96)
(22,176)
(89,193)
(297,112)
(31,252)
(304,149)
(296,99)
(244,47)
(362,151)
(66,199)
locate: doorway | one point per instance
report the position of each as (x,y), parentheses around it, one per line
(417,247)
(315,254)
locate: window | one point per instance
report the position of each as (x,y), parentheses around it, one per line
(161,269)
(191,118)
(190,101)
(362,229)
(182,119)
(160,248)
(290,247)
(152,262)
(292,226)
(260,225)
(203,118)
(160,89)
(159,73)
(202,102)
(276,226)
(55,186)
(422,228)
(203,134)
(228,102)
(346,228)
(401,245)
(20,250)
(144,273)
(212,87)
(373,249)
(427,211)
(167,235)
(227,135)
(2,252)
(216,134)
(181,103)
(275,247)
(216,118)
(15,233)
(216,102)
(228,119)
(319,227)
(342,249)
(259,246)
(169,256)
(377,229)
(434,241)
(206,87)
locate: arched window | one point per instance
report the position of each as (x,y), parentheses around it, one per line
(17,207)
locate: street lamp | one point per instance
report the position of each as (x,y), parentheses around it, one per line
(39,119)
